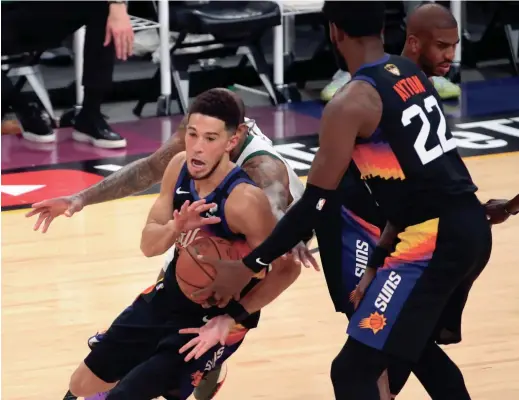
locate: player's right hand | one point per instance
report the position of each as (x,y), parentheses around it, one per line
(358,294)
(496,211)
(47,210)
(189,216)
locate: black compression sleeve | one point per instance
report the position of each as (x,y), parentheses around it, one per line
(378,257)
(301,218)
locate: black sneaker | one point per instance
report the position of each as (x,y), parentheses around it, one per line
(92,128)
(69,396)
(36,125)
(211,383)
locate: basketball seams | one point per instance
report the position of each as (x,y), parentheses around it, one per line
(199,265)
(188,283)
(216,247)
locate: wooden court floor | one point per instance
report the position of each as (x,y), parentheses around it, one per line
(59,288)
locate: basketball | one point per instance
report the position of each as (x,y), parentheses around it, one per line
(192,274)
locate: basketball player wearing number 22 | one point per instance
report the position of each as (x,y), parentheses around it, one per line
(142,355)
(389,120)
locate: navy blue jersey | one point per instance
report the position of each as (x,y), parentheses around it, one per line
(185,190)
(411,162)
(357,198)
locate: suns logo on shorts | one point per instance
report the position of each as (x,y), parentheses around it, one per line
(376,322)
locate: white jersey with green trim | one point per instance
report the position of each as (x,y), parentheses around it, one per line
(254,146)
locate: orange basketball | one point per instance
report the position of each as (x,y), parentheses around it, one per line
(192,274)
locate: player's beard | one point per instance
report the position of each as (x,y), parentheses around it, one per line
(426,65)
(211,171)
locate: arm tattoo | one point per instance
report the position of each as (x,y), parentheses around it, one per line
(271,176)
(137,176)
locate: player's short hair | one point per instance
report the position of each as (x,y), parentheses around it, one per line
(218,104)
(442,17)
(356,18)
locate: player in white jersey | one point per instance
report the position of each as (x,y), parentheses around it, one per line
(255,154)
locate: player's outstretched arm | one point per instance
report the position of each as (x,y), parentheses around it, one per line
(250,214)
(132,178)
(271,176)
(360,106)
(354,111)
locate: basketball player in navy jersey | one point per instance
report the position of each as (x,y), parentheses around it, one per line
(353,230)
(265,167)
(202,191)
(397,135)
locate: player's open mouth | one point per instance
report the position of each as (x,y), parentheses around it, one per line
(197,163)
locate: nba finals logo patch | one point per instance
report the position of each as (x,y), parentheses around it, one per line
(392,68)
(376,322)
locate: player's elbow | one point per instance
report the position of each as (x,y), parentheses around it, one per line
(151,249)
(149,246)
(146,249)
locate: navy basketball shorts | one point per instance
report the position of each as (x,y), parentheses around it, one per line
(424,283)
(147,333)
(359,239)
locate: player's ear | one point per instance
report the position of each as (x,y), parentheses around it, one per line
(243,130)
(336,34)
(233,142)
(414,44)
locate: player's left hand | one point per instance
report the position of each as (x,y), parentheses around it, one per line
(496,211)
(231,278)
(301,255)
(359,292)
(209,335)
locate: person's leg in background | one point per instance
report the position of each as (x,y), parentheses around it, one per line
(34,120)
(35,124)
(51,23)
(98,67)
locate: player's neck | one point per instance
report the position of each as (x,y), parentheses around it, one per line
(205,186)
(368,51)
(409,54)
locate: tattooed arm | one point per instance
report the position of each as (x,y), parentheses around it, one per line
(271,176)
(133,178)
(137,176)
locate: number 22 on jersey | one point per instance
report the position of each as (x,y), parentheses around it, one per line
(445,145)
